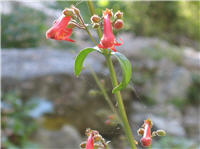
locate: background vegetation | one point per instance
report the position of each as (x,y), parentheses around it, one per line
(177,22)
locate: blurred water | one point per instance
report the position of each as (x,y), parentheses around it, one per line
(42,106)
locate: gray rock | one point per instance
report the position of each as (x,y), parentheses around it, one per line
(33,63)
(66,138)
(191,121)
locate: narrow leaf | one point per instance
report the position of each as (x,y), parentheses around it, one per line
(80,59)
(126,71)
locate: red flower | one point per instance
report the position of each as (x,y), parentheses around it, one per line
(90,143)
(59,30)
(146,139)
(108,39)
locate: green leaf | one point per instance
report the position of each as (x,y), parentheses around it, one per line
(80,59)
(126,71)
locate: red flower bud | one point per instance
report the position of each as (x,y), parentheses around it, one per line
(146,139)
(107,122)
(111,117)
(118,24)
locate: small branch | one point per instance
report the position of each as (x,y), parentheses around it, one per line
(107,98)
(92,12)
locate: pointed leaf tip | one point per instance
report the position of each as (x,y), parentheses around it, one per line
(126,71)
(80,59)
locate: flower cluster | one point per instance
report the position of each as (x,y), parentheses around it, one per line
(94,140)
(145,131)
(71,17)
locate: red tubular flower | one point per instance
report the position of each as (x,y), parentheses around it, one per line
(146,139)
(108,39)
(59,30)
(90,142)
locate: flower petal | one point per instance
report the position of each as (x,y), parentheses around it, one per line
(119,44)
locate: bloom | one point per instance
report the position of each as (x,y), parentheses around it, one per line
(146,139)
(60,31)
(90,143)
(118,24)
(108,39)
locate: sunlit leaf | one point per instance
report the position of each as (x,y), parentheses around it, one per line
(126,71)
(80,59)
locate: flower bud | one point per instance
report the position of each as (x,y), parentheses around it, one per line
(88,131)
(76,10)
(118,15)
(97,138)
(83,144)
(154,133)
(140,131)
(95,25)
(95,19)
(136,142)
(108,122)
(161,133)
(118,24)
(98,145)
(68,12)
(111,117)
(71,25)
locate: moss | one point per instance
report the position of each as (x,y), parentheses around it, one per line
(193,94)
(149,101)
(156,52)
(178,102)
(54,122)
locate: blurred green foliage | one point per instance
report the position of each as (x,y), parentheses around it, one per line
(24,27)
(16,124)
(172,142)
(193,94)
(193,91)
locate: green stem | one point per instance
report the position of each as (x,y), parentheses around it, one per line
(118,96)
(92,12)
(107,98)
(85,27)
(106,147)
(91,36)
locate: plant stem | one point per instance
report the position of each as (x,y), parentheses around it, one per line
(85,27)
(107,98)
(118,96)
(92,12)
(113,77)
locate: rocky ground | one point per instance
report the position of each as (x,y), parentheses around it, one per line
(164,80)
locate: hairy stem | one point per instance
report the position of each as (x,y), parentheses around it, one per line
(120,103)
